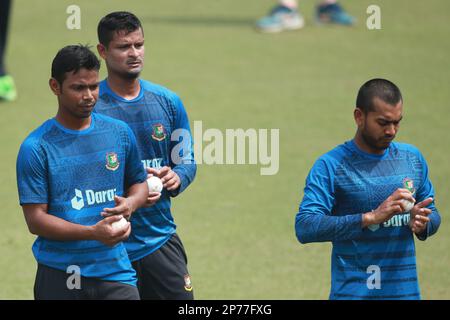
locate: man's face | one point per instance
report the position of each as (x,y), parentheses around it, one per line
(125,53)
(379,127)
(78,93)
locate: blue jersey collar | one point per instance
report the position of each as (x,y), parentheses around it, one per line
(78,132)
(355,148)
(104,86)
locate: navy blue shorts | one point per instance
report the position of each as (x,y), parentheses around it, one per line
(163,274)
(52,284)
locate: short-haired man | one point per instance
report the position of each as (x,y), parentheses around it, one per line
(357,196)
(72,171)
(160,123)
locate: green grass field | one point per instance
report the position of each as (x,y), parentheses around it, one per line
(238,226)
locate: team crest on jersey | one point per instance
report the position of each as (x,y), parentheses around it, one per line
(159,133)
(112,161)
(187,283)
(408,184)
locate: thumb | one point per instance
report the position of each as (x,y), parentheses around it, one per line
(164,170)
(152,171)
(114,218)
(118,200)
(425,202)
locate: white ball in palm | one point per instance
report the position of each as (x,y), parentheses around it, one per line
(154,184)
(117,225)
(408,205)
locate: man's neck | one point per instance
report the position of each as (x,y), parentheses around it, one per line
(125,88)
(73,123)
(362,145)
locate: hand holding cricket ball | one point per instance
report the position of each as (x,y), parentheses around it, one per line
(159,179)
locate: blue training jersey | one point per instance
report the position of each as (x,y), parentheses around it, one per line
(156,116)
(378,262)
(77,174)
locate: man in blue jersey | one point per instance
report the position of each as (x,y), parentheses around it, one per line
(356,196)
(160,123)
(72,171)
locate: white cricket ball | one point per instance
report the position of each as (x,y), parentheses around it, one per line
(154,184)
(408,205)
(117,225)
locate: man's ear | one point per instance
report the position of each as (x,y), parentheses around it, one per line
(359,116)
(55,86)
(101,50)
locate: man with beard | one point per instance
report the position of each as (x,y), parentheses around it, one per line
(356,196)
(158,118)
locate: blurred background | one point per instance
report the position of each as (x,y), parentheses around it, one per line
(238,226)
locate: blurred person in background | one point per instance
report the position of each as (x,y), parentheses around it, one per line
(7,88)
(286,16)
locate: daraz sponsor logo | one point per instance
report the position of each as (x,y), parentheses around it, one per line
(92,197)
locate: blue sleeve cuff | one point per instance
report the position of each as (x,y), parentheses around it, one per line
(423,236)
(355,224)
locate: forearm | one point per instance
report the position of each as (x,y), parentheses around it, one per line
(54,228)
(319,228)
(137,195)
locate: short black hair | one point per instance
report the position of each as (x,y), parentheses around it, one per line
(73,58)
(115,22)
(377,88)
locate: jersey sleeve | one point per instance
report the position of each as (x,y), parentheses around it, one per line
(425,191)
(182,148)
(314,221)
(134,170)
(31,171)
